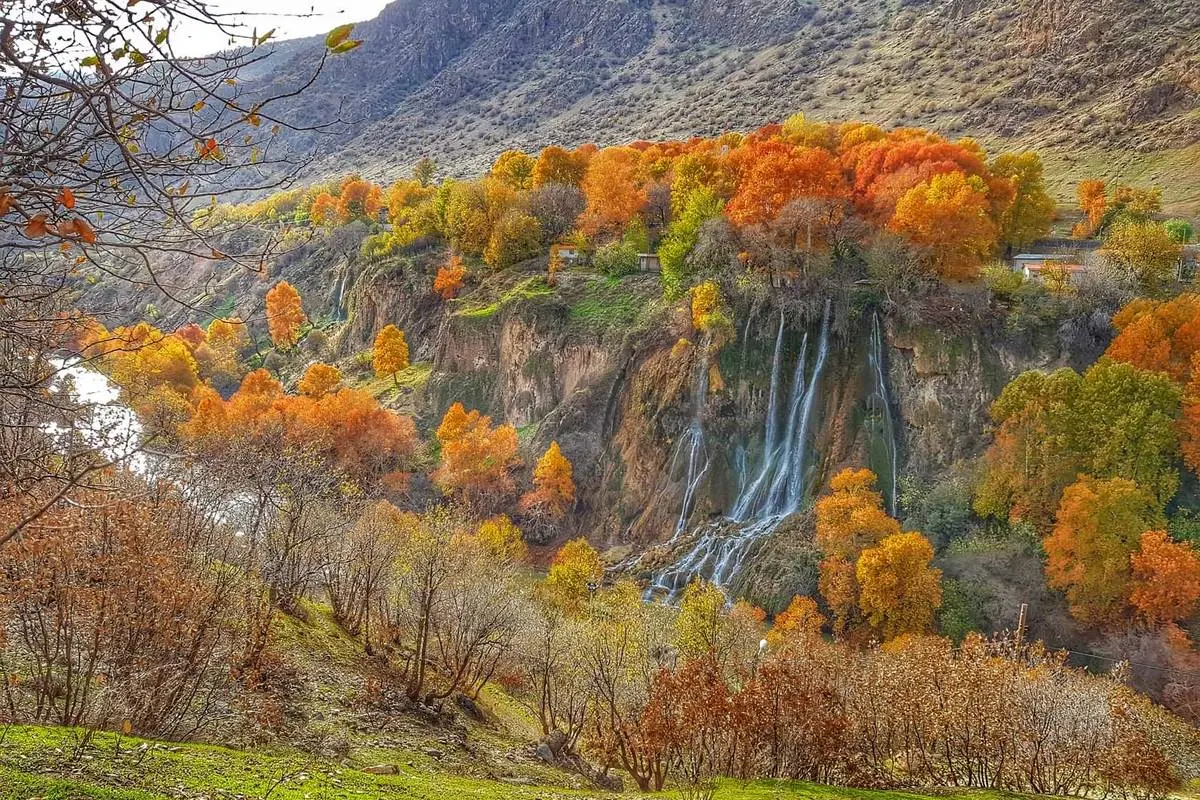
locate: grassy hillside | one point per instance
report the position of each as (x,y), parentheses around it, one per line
(55,764)
(327,738)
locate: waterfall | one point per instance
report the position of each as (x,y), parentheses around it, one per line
(338,296)
(693,444)
(879,407)
(796,481)
(720,548)
(747,497)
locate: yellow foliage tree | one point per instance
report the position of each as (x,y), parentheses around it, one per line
(502,539)
(319,379)
(390,353)
(899,591)
(515,169)
(574,575)
(852,517)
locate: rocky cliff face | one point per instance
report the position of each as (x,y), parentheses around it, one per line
(665,439)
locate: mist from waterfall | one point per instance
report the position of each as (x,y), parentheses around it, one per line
(779,487)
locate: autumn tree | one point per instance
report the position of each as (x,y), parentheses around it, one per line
(800,623)
(553,491)
(1093,202)
(686,716)
(838,585)
(227,338)
(613,191)
(949,214)
(477,459)
(449,280)
(708,628)
(1136,202)
(574,574)
(324,209)
(1165,585)
(1158,336)
(514,238)
(390,353)
(899,590)
(514,168)
(774,173)
(319,380)
(502,539)
(1142,253)
(852,517)
(558,166)
(1028,217)
(359,200)
(285,315)
(1098,527)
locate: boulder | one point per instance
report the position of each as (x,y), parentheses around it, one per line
(382,769)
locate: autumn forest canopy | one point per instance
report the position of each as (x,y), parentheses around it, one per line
(826,452)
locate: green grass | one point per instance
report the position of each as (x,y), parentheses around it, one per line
(49,763)
(527,289)
(607,303)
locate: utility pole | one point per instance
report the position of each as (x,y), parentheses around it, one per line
(1021,628)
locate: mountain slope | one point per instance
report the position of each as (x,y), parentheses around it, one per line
(461,80)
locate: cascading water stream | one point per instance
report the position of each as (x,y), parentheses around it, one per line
(339,296)
(796,480)
(879,407)
(717,553)
(693,444)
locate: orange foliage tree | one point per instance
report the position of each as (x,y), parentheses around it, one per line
(449,280)
(949,214)
(613,190)
(553,487)
(348,428)
(1159,336)
(801,622)
(852,517)
(1098,527)
(319,380)
(1166,578)
(556,165)
(899,591)
(1093,202)
(285,314)
(324,209)
(359,199)
(477,459)
(774,173)
(390,353)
